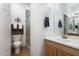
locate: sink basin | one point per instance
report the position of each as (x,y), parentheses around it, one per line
(70,41)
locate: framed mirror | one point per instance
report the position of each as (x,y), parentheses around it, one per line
(71,25)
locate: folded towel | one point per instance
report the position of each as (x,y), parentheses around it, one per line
(20,26)
(15,26)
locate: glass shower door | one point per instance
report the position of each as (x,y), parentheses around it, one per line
(28,28)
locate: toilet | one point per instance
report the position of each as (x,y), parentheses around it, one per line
(17,43)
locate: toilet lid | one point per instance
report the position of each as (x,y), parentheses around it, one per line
(17,43)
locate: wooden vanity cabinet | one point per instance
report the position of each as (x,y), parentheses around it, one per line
(63,53)
(49,50)
(56,49)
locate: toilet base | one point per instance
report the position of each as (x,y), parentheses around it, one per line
(17,51)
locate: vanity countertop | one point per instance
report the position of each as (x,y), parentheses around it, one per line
(74,43)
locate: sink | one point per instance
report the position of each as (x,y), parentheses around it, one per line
(70,41)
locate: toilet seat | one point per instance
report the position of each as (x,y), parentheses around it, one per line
(17,43)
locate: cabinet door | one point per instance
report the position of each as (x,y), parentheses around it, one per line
(50,50)
(63,53)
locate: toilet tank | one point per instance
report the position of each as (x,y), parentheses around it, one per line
(16,37)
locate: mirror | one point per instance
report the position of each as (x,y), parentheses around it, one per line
(71,25)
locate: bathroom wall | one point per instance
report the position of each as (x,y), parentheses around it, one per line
(38,12)
(50,13)
(5,30)
(55,13)
(38,31)
(19,10)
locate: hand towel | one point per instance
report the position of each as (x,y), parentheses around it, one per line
(46,22)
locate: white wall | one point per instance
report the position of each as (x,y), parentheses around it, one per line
(49,31)
(60,10)
(19,10)
(55,14)
(37,28)
(5,30)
